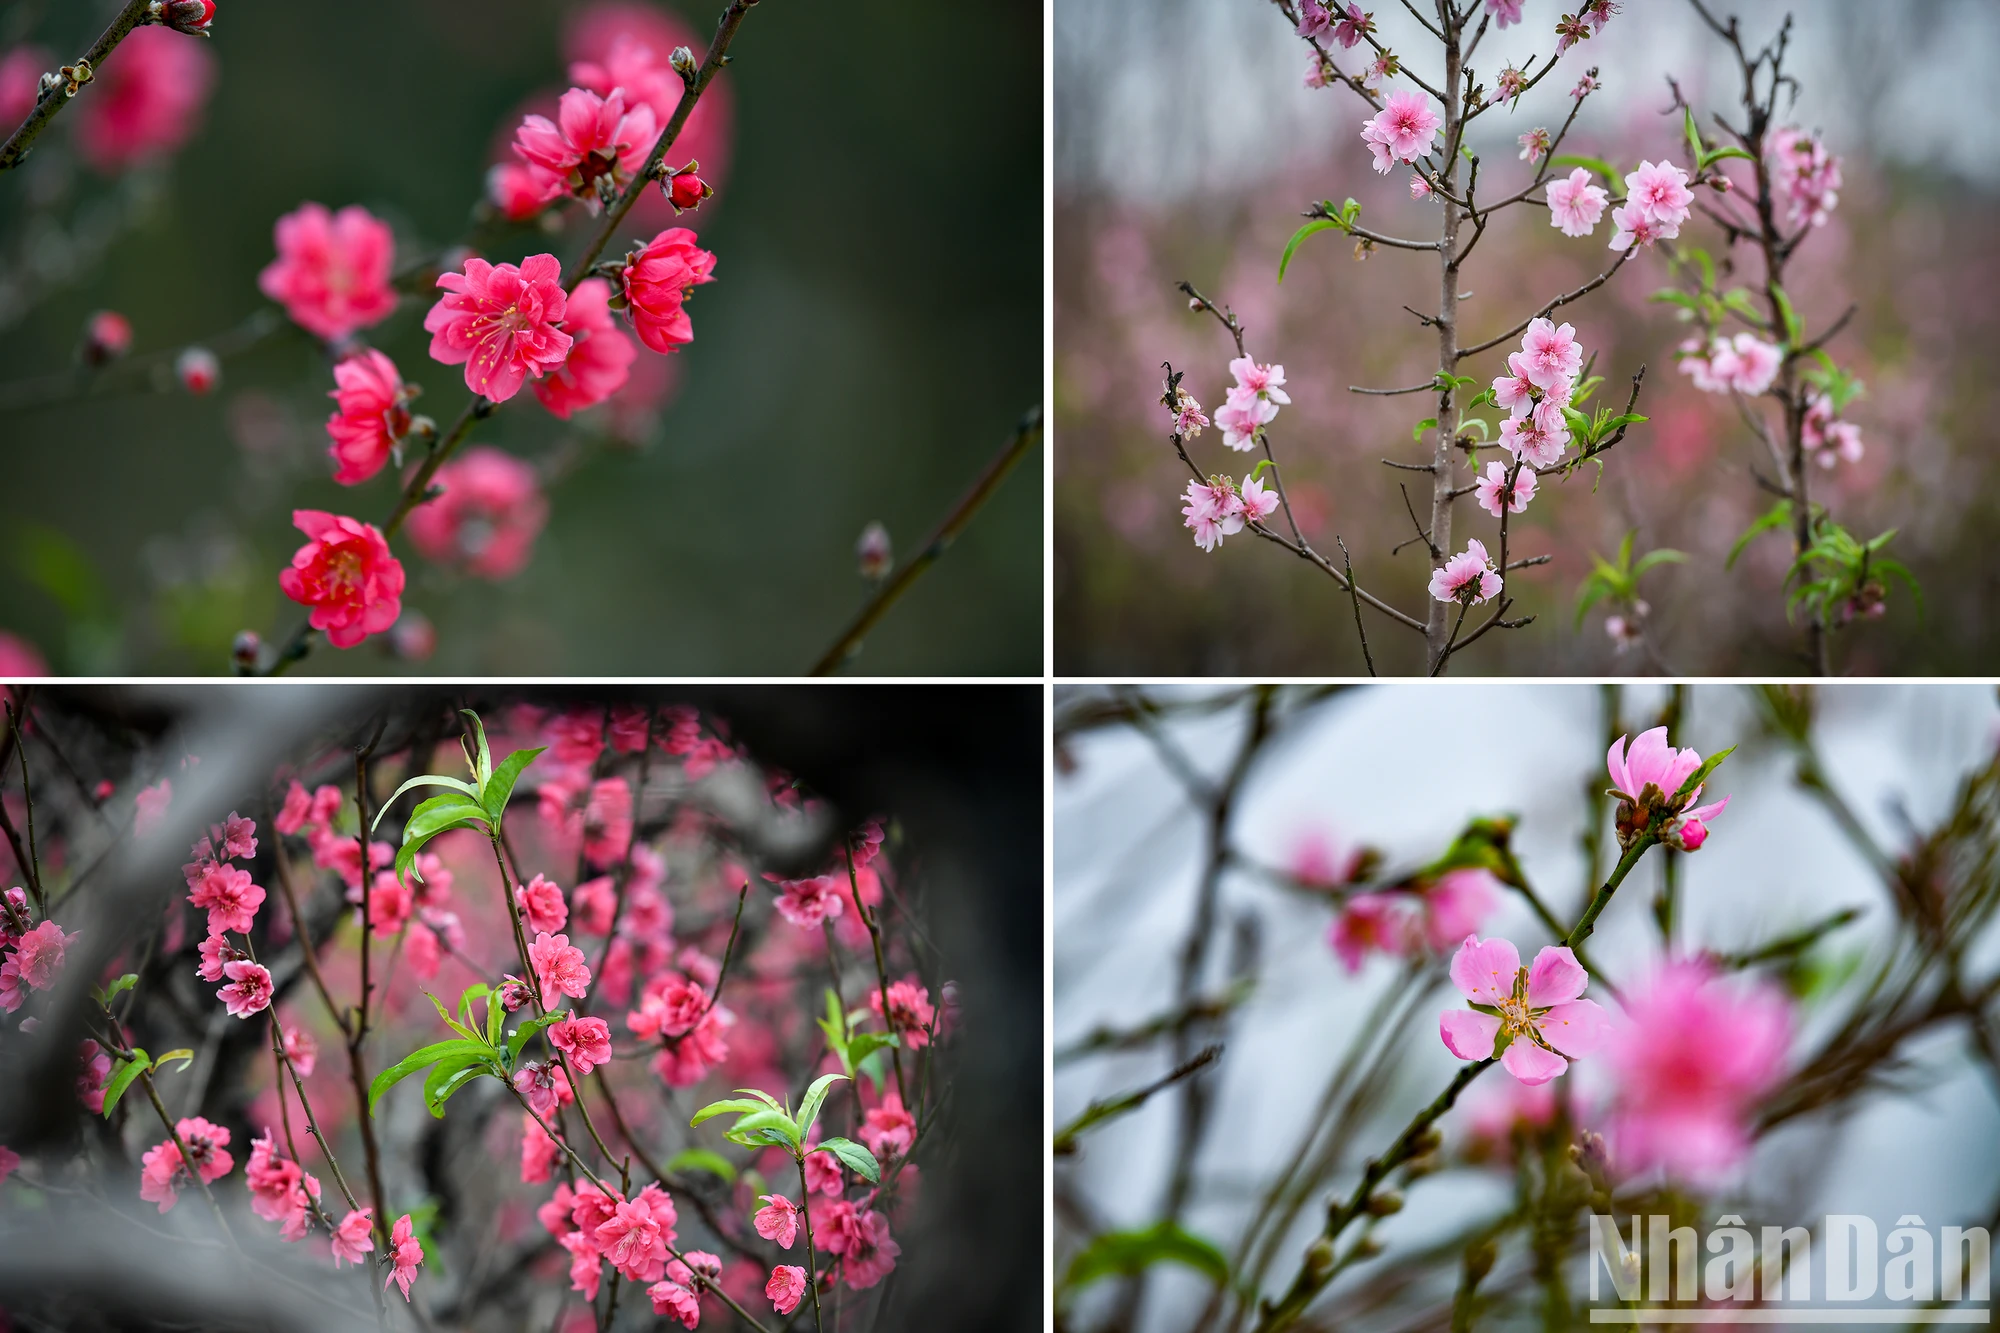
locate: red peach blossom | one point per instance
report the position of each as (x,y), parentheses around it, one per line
(501,322)
(658,279)
(374,416)
(146,100)
(594,147)
(487,519)
(346,574)
(600,357)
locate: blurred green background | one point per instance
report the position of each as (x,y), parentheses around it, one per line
(873,335)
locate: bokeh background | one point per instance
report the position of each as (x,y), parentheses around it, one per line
(871,339)
(1186,146)
(1397,768)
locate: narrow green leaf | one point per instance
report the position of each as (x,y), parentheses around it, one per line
(1794,332)
(701,1159)
(1312,226)
(184,1055)
(427,780)
(1709,159)
(529,1029)
(123,1077)
(1258,471)
(482,770)
(1428,423)
(462,1029)
(814,1098)
(1693,134)
(418,1059)
(124,983)
(1128,1253)
(1596,164)
(854,1157)
(866,1044)
(1777,516)
(1700,775)
(500,787)
(730,1105)
(1663,556)
(758,1126)
(450,1075)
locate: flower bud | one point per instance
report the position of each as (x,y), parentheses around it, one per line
(703,1264)
(248,650)
(874,552)
(1367,1248)
(106,337)
(513,993)
(189,16)
(683,63)
(1479,1258)
(1385,1203)
(198,370)
(1319,1258)
(686,191)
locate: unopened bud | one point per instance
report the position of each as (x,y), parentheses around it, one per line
(703,1264)
(1385,1203)
(189,16)
(685,189)
(1479,1258)
(513,994)
(1429,1141)
(682,62)
(248,650)
(874,552)
(1721,183)
(198,370)
(106,337)
(1319,1258)
(1367,1248)
(1194,304)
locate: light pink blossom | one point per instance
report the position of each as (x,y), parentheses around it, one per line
(1660,191)
(1551,355)
(786,1287)
(1213,511)
(1631,225)
(1646,777)
(1242,415)
(777,1220)
(229,898)
(1529,439)
(1504,12)
(559,967)
(1805,175)
(1494,483)
(1402,131)
(1467,577)
(164,1170)
(1532,1016)
(1259,502)
(405,1252)
(1534,145)
(1353,25)
(351,1239)
(1576,205)
(542,906)
(1372,923)
(1692,1057)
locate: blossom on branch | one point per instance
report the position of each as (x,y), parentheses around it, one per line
(1532,1017)
(1402,131)
(332,270)
(502,322)
(346,574)
(1467,577)
(374,415)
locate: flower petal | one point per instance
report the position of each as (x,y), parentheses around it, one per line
(1555,977)
(1576,1029)
(1531,1064)
(1485,969)
(1468,1034)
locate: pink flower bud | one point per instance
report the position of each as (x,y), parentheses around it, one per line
(248,650)
(199,371)
(106,337)
(513,994)
(874,552)
(189,16)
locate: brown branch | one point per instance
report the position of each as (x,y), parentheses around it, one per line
(58,93)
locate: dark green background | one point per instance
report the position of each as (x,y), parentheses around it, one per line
(872,336)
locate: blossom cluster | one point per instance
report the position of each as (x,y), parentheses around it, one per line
(1216,508)
(30,956)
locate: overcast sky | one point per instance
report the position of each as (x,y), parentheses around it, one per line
(1157,100)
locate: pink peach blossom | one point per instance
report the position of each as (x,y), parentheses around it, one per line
(1691,1059)
(658,281)
(351,1239)
(502,323)
(1213,511)
(150,807)
(910,1011)
(786,1288)
(1353,25)
(165,1171)
(1576,205)
(406,1252)
(1805,175)
(542,906)
(1504,12)
(346,574)
(39,954)
(777,1220)
(249,988)
(1631,225)
(146,101)
(488,518)
(1646,778)
(332,270)
(586,1041)
(374,416)
(1467,577)
(1372,923)
(1259,502)
(1402,131)
(1551,355)
(559,967)
(1534,145)
(1242,414)
(600,355)
(1491,486)
(1532,1015)
(593,148)
(1660,192)
(229,898)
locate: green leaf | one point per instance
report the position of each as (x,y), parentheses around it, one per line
(122,1078)
(701,1159)
(763,1127)
(1127,1253)
(1777,516)
(418,1059)
(1428,423)
(1485,427)
(1596,164)
(1700,775)
(440,814)
(1709,159)
(450,1075)
(529,1029)
(1315,225)
(427,780)
(1663,556)
(814,1098)
(500,787)
(1258,471)
(482,768)
(1794,332)
(1693,134)
(766,1098)
(462,1029)
(184,1055)
(1589,593)
(736,1105)
(866,1044)
(124,983)
(854,1157)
